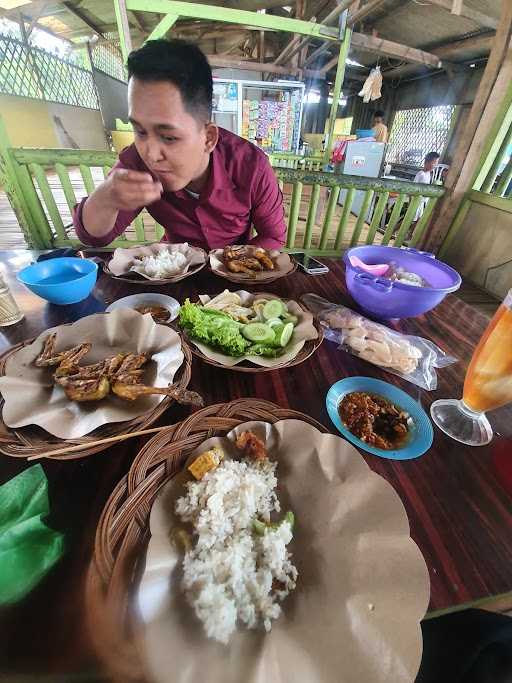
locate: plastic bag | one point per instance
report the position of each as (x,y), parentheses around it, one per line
(413,358)
(372,87)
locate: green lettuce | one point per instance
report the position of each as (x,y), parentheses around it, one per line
(213,328)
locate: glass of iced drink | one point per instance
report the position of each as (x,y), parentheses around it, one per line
(488,384)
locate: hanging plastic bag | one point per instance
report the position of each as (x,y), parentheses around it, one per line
(413,358)
(371,89)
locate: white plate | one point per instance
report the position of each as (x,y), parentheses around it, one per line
(147,299)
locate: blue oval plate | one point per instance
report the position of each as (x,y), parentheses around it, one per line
(421,433)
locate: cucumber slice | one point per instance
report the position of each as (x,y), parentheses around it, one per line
(275,322)
(273,309)
(258,332)
(283,335)
(289,318)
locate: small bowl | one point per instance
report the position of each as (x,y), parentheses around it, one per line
(66,280)
(148,299)
(421,433)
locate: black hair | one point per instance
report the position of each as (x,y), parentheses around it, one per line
(431,156)
(379,113)
(180,63)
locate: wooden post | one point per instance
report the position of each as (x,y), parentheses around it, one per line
(468,153)
(123,28)
(338,83)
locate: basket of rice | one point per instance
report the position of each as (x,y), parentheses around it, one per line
(212,562)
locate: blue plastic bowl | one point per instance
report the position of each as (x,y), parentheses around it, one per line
(386,299)
(421,432)
(61,281)
(364,133)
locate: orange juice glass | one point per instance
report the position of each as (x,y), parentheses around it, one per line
(488,384)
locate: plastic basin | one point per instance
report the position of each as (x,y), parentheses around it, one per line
(61,281)
(385,299)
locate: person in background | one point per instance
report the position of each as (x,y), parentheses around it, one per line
(380,130)
(203,184)
(425,176)
(430,162)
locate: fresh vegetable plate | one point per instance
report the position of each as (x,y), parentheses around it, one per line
(249,332)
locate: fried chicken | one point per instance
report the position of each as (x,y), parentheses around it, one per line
(48,357)
(252,446)
(247,259)
(84,389)
(120,374)
(264,259)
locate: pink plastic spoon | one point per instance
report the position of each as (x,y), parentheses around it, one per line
(378,269)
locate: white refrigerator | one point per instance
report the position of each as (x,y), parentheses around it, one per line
(362,159)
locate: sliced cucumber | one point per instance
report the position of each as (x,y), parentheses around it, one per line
(289,318)
(258,332)
(275,322)
(284,334)
(273,309)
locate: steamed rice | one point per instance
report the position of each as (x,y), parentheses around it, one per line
(163,264)
(229,573)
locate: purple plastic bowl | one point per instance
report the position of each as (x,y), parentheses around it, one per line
(385,299)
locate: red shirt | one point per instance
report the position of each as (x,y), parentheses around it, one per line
(241,192)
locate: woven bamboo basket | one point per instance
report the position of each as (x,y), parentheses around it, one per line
(307,350)
(32,440)
(123,533)
(244,280)
(136,279)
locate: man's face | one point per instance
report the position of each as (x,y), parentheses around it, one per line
(431,164)
(173,144)
(377,119)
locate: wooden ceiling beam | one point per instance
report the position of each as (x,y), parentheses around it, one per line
(365,11)
(295,46)
(447,52)
(480,18)
(80,15)
(388,48)
(220,62)
(139,21)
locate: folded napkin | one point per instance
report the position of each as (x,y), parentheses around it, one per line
(28,548)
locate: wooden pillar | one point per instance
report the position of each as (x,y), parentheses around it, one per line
(123,28)
(471,146)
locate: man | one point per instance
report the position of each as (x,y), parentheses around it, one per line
(425,176)
(430,162)
(203,184)
(380,130)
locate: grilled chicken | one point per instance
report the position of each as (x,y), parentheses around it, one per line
(120,374)
(48,357)
(84,389)
(247,259)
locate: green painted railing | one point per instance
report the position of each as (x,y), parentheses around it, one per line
(296,161)
(42,193)
(322,224)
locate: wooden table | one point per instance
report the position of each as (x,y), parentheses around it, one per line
(456,497)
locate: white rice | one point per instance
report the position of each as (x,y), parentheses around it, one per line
(164,264)
(228,574)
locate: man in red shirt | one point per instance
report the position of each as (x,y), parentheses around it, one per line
(203,184)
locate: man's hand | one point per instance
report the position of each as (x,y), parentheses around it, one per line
(127,190)
(123,190)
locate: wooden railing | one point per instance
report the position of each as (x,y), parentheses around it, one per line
(387,210)
(317,221)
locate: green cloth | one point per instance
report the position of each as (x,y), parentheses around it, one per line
(28,548)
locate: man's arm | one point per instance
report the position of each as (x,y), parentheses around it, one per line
(113,205)
(267,211)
